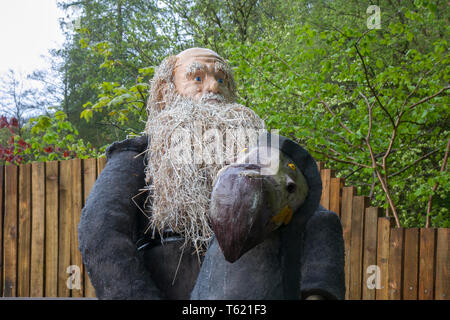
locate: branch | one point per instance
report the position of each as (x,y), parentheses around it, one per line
(334,115)
(342,161)
(383,181)
(268,80)
(369,106)
(372,187)
(414,163)
(428,98)
(340,154)
(444,165)
(418,83)
(111,124)
(372,89)
(144,104)
(283,61)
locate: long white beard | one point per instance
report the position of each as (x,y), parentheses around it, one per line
(189,143)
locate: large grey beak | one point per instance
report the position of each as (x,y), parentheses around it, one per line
(240,215)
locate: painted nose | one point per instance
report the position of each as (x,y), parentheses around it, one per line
(211,86)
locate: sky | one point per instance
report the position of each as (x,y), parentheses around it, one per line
(28,29)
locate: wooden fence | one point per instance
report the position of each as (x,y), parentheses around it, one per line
(40,211)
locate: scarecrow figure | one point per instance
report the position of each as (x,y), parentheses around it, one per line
(171,216)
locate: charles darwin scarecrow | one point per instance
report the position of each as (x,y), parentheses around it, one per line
(207,204)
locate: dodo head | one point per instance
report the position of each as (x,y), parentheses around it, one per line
(262,191)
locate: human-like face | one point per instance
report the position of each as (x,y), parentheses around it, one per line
(202,76)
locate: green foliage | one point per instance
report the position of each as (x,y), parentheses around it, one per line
(321,85)
(109,61)
(121,103)
(44,138)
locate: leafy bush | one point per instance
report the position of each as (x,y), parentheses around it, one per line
(44,138)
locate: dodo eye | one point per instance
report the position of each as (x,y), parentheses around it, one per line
(198,79)
(292,166)
(291,187)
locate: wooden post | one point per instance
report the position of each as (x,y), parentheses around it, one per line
(24,242)
(336,186)
(346,220)
(370,253)
(10,233)
(319,165)
(360,203)
(76,214)
(411,265)
(396,264)
(37,229)
(101,163)
(65,227)
(89,177)
(442,290)
(326,175)
(383,238)
(51,229)
(426,265)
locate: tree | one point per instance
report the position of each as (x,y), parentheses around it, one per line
(17,100)
(374,103)
(107,66)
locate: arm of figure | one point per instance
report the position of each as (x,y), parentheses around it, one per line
(108,227)
(322,270)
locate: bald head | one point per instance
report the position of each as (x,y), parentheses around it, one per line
(198,74)
(202,75)
(198,52)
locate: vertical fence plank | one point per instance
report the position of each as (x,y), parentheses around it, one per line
(24,236)
(411,264)
(346,220)
(10,233)
(396,263)
(319,165)
(78,288)
(426,265)
(383,238)
(101,162)
(442,260)
(326,175)
(51,229)
(89,177)
(37,229)
(65,213)
(370,253)
(336,186)
(360,203)
(1,229)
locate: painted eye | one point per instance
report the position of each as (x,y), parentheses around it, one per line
(291,187)
(220,80)
(198,79)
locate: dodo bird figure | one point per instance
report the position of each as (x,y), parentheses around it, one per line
(272,239)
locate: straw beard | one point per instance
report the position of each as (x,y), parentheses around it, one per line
(183,160)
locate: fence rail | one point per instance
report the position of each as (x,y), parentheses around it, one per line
(41,205)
